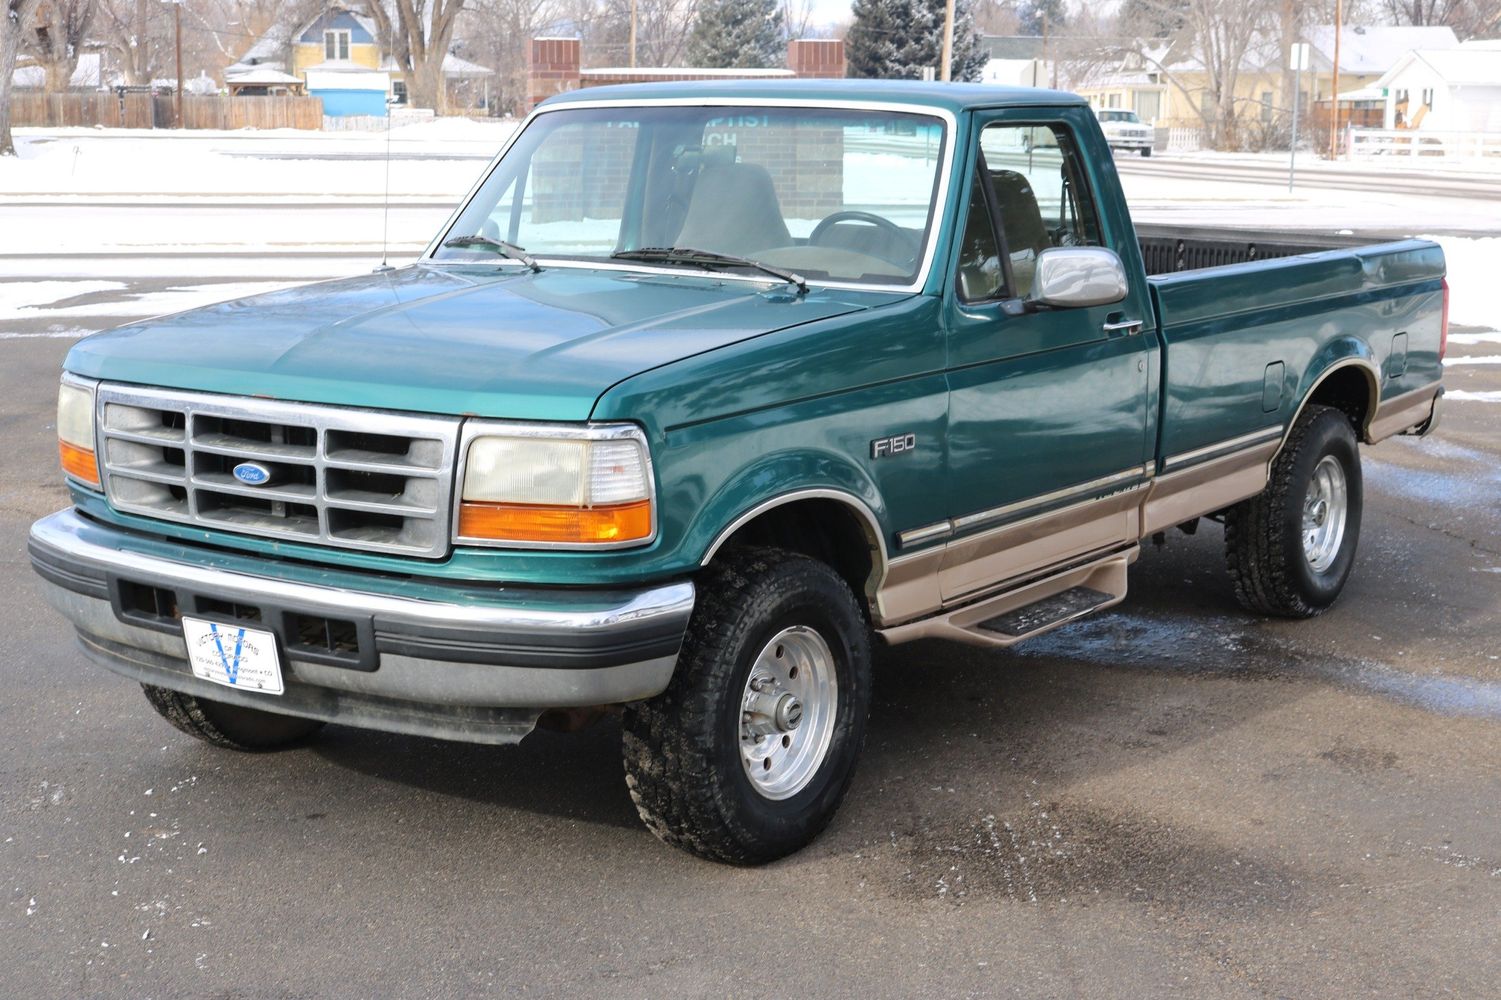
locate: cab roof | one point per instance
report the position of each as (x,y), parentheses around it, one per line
(952,97)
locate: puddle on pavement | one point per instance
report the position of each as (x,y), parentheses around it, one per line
(1223,647)
(1061,853)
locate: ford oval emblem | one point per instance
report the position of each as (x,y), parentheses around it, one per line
(252,473)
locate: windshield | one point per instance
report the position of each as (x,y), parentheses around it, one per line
(837,195)
(1119,116)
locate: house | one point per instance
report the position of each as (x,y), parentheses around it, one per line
(1165,80)
(1447,90)
(337,56)
(1016,61)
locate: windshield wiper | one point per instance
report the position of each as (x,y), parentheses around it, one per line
(506,249)
(707,258)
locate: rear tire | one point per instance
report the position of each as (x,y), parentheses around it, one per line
(230,727)
(1290,548)
(1146,151)
(722,764)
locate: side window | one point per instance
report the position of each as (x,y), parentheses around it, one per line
(980,274)
(1037,179)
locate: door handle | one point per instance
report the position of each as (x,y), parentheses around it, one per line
(1124,327)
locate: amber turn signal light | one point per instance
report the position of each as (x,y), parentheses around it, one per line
(79,463)
(509,522)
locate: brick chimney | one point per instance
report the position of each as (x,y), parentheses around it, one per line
(552,67)
(816,58)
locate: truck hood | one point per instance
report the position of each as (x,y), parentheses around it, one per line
(456,339)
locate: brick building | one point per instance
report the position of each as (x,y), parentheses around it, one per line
(554,66)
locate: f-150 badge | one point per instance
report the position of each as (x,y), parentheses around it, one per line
(897,444)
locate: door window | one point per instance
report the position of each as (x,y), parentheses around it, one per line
(1038,188)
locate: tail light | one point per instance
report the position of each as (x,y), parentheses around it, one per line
(1443,329)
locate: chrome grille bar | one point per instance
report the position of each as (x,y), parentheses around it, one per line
(362,479)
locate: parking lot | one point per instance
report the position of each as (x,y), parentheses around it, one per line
(1172,799)
(1169,800)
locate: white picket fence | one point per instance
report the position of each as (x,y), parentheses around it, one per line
(1365,143)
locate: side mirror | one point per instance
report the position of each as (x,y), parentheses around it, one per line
(1069,277)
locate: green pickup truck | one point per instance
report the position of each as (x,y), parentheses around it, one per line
(703,391)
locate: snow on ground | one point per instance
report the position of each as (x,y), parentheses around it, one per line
(442,157)
(143,305)
(1474,294)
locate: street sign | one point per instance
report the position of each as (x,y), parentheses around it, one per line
(1298,57)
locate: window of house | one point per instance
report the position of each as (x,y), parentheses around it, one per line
(336,44)
(399,91)
(1266,107)
(1428,98)
(1114,102)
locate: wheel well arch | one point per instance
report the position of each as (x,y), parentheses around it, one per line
(1350,386)
(834,527)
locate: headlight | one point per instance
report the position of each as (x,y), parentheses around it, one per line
(75,431)
(532,487)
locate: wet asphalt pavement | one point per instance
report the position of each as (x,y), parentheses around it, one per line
(1173,799)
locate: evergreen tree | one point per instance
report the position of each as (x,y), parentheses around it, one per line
(737,34)
(1034,13)
(898,39)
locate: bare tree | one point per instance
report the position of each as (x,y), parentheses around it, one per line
(1220,40)
(1468,18)
(135,31)
(418,34)
(498,33)
(55,38)
(18,16)
(662,28)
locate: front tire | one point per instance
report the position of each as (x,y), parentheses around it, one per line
(230,727)
(748,753)
(1291,547)
(1146,151)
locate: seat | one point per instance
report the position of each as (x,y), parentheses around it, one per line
(1021,218)
(734,210)
(1026,233)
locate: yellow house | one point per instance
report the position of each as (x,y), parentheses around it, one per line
(337,36)
(1166,83)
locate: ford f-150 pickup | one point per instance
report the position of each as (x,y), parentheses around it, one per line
(702,391)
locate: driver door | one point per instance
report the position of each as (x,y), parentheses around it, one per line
(1048,407)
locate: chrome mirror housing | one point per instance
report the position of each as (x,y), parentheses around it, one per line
(1068,277)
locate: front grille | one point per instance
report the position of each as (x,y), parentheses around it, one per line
(358,479)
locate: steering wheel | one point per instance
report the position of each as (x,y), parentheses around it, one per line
(880,222)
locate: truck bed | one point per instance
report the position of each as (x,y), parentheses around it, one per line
(1169,249)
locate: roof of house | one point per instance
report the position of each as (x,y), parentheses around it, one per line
(454,68)
(260,76)
(950,97)
(1371,51)
(1458,67)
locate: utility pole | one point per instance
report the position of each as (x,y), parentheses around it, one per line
(1299,60)
(177,27)
(1339,11)
(946,68)
(633,34)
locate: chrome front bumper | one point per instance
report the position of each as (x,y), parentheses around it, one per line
(470,662)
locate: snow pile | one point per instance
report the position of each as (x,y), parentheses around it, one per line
(1474,294)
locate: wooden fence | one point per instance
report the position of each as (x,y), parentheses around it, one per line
(148,111)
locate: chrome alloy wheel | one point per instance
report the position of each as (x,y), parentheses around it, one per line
(787,712)
(1324,511)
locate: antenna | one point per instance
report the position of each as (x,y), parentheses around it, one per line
(385,217)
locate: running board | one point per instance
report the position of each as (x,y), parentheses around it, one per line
(1007,618)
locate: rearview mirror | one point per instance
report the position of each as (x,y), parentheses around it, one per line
(1067,277)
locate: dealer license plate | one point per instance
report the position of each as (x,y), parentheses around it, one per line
(232,655)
